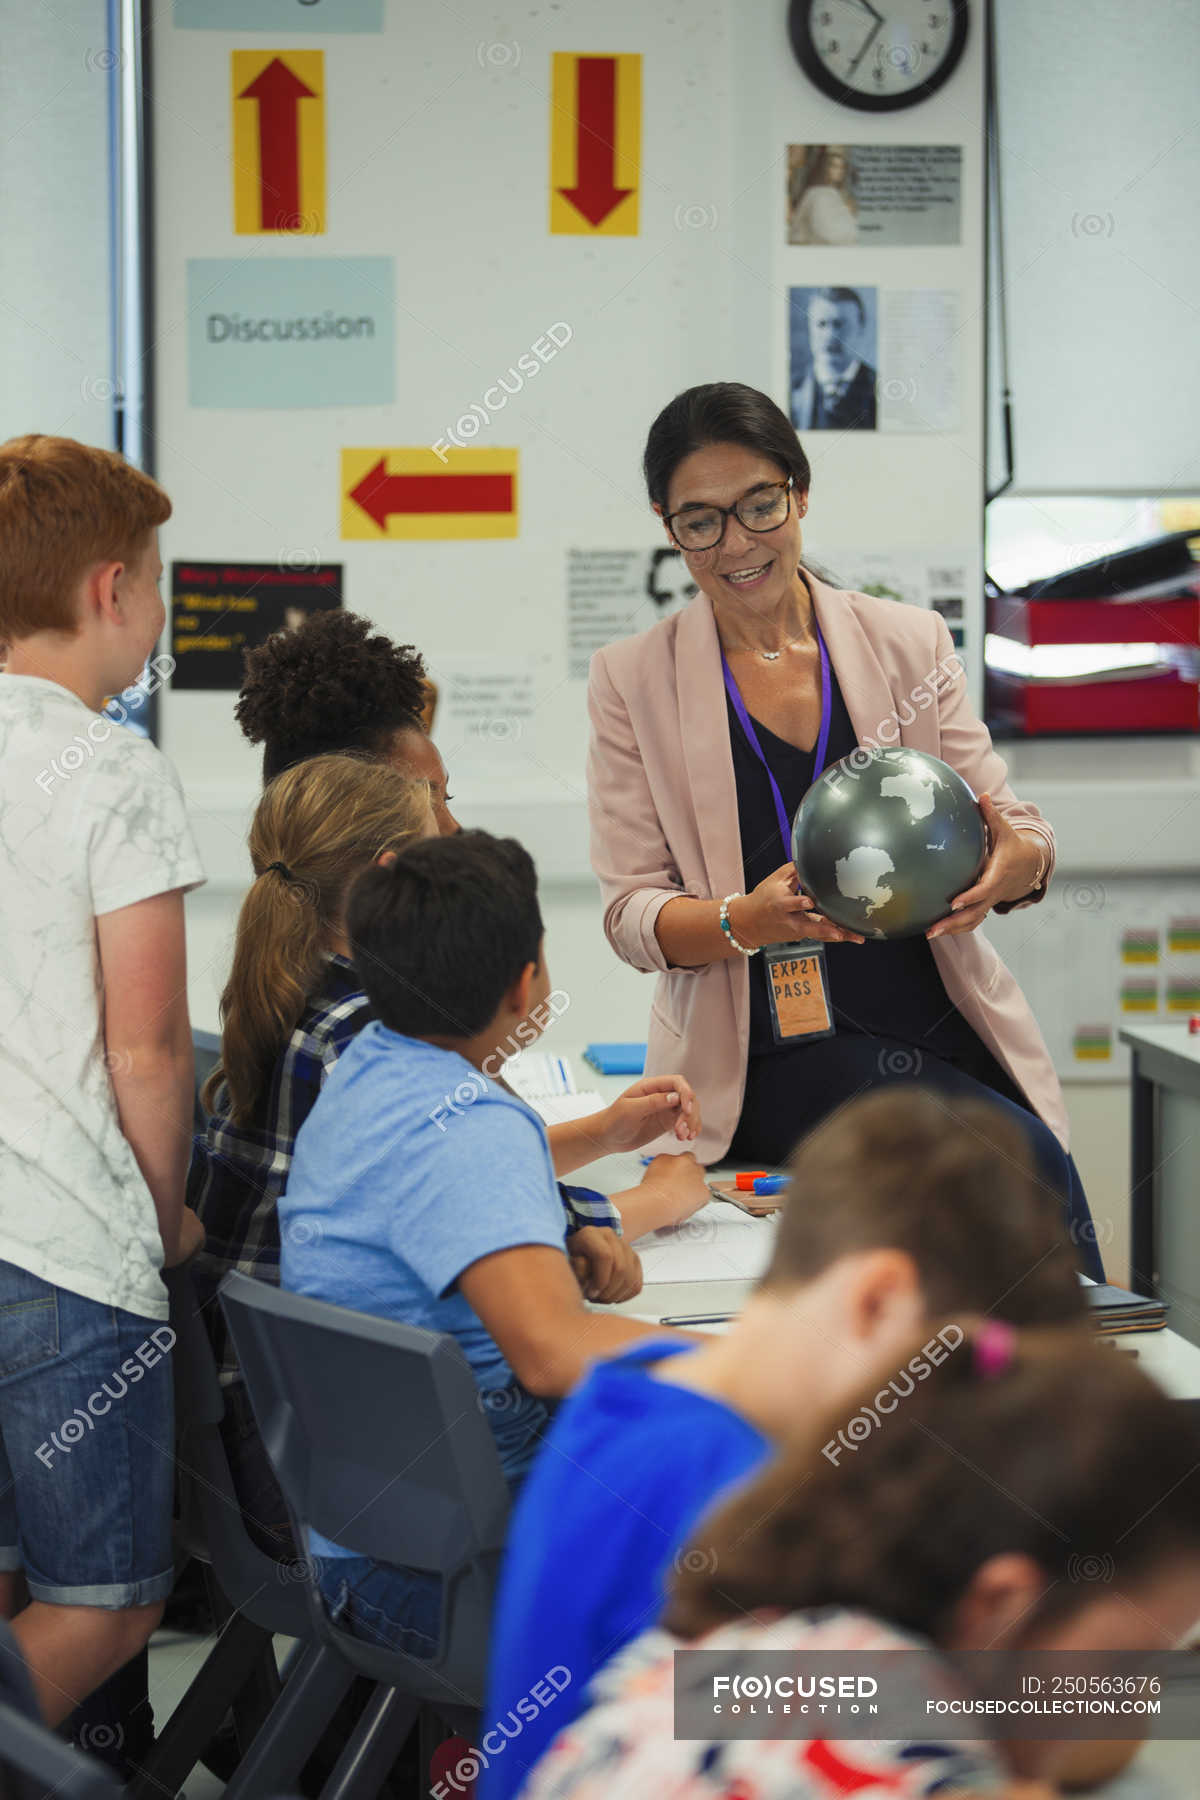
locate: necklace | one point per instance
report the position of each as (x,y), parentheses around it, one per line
(768,655)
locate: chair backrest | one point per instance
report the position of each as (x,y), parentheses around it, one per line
(379,1441)
(375,1429)
(213,1529)
(206,1053)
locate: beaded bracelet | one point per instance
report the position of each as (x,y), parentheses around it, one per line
(727,928)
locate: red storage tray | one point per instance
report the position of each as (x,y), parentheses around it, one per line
(1166,700)
(1172,620)
(1163,702)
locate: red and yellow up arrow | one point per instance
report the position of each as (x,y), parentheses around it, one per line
(410,493)
(279,141)
(595,144)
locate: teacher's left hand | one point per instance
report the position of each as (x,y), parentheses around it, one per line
(1008,874)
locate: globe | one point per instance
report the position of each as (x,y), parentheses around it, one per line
(886,839)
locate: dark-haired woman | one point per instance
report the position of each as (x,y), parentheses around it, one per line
(707,731)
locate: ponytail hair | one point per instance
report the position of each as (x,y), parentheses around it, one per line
(1038,1442)
(316,827)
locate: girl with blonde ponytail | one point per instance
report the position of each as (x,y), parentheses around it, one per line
(292,1004)
(317,826)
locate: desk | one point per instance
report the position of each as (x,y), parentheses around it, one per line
(1164,1242)
(704,1266)
(711,1262)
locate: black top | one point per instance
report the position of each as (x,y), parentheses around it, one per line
(879,988)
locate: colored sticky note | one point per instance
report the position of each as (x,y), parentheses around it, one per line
(291,331)
(422,493)
(595,144)
(1093,1043)
(278,99)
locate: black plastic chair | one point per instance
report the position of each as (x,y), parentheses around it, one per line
(378,1441)
(206,1054)
(254,1597)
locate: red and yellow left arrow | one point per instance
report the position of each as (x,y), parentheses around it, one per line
(279,141)
(410,493)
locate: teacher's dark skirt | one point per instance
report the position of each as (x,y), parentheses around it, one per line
(791,1089)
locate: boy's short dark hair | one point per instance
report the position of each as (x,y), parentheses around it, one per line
(440,936)
(953,1183)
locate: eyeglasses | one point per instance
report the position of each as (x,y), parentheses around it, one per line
(703,527)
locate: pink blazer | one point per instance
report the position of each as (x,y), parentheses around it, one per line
(664,822)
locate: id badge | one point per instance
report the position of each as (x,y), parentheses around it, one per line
(798,986)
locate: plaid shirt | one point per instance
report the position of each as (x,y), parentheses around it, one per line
(238,1172)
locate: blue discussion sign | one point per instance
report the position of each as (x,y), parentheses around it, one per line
(291,331)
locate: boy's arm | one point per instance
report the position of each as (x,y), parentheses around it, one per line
(605,1266)
(529,1304)
(148,1050)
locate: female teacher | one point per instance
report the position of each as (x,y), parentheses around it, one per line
(767,677)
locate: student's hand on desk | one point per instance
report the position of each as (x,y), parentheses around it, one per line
(682,1184)
(191,1239)
(655,1104)
(606,1267)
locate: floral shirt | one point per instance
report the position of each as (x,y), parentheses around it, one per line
(625,1745)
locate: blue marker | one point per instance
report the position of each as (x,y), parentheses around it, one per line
(770,1184)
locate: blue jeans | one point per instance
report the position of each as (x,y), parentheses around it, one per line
(791,1090)
(390,1607)
(87,1452)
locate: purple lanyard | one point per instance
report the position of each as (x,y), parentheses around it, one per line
(744,720)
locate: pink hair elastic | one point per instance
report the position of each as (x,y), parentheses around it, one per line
(995,1346)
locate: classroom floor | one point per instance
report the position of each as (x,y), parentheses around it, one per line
(1164,1771)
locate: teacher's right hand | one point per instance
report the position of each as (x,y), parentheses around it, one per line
(776,912)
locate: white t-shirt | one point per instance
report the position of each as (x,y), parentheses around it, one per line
(92,818)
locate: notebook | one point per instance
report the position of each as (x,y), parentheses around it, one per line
(547,1083)
(1115,1309)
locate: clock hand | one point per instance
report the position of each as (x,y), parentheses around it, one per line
(868,41)
(867,7)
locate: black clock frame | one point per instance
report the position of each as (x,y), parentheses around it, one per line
(803,49)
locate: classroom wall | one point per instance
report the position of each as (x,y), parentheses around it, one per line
(438,140)
(55,361)
(438,145)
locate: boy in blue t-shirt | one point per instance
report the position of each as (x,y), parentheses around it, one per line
(420,1191)
(901,1210)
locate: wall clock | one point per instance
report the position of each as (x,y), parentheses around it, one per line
(878,55)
